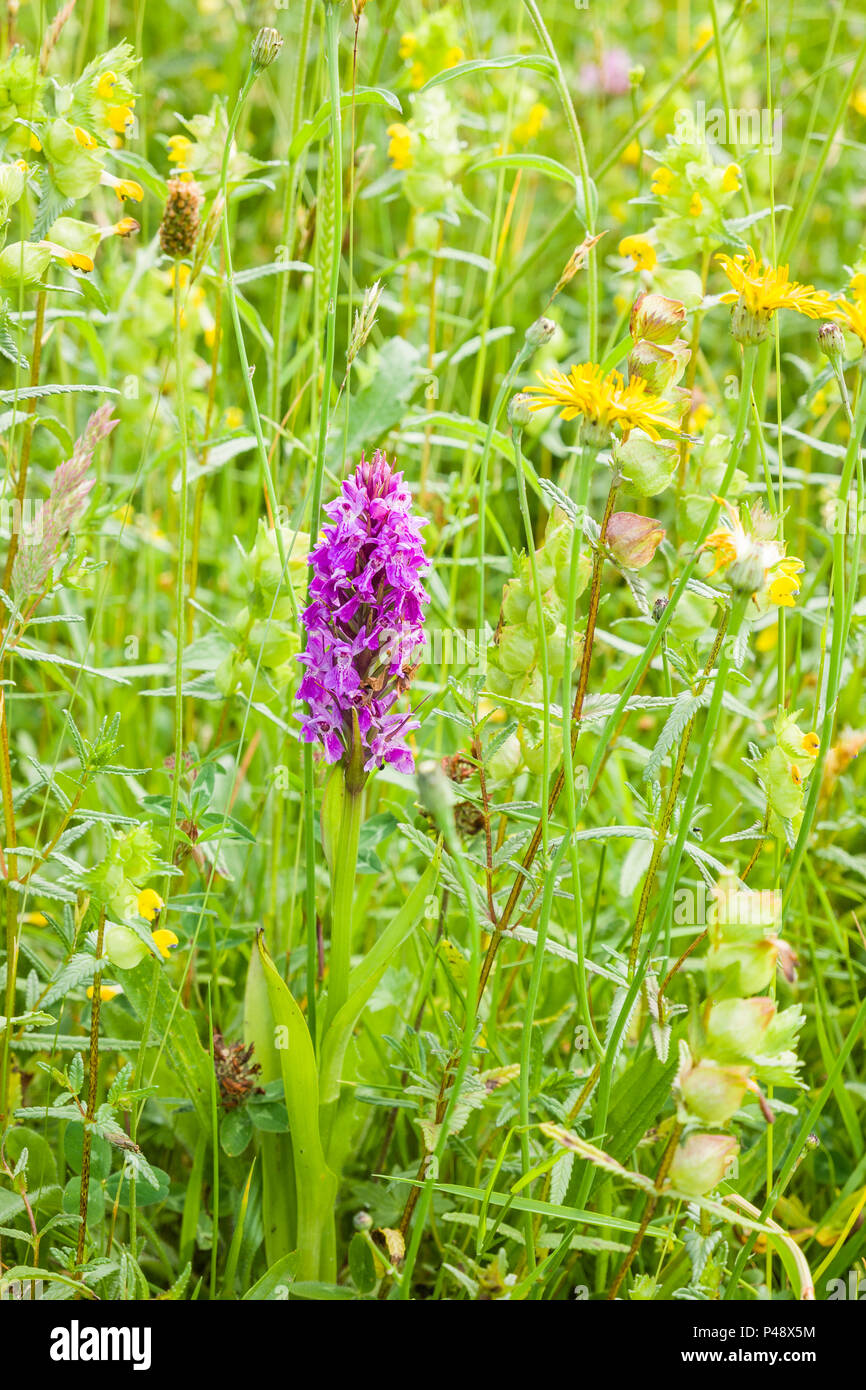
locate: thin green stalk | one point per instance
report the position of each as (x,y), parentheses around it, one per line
(290,200)
(180,582)
(584,480)
(667,815)
(586,184)
(449,1094)
(342,901)
(264,463)
(841,617)
(332,26)
(670,884)
(544,919)
(803,207)
(498,405)
(93,1077)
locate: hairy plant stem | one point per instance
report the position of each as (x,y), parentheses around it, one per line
(497,934)
(584,479)
(649,1210)
(93,1076)
(576,712)
(544,919)
(664,826)
(606,1070)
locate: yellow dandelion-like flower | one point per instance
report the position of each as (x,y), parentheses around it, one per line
(417,75)
(164,940)
(853,317)
(662,182)
(454,56)
(604,402)
(408,44)
(766,291)
(696,206)
(640,250)
(757,294)
(400,146)
(858,101)
(851,313)
(233,417)
(149,904)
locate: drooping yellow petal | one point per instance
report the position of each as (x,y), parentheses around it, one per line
(149,904)
(164,940)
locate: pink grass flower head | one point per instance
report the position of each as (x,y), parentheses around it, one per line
(610,75)
(62,509)
(365,620)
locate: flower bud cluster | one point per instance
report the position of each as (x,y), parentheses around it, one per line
(427,151)
(118,883)
(737,1036)
(693,193)
(783,770)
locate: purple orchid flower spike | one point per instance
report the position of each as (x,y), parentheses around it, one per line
(365,621)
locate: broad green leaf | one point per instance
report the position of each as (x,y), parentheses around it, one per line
(534,62)
(316,1184)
